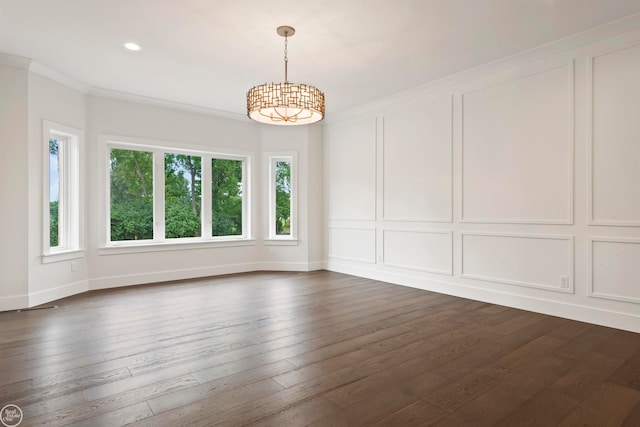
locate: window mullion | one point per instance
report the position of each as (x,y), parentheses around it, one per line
(158,197)
(206,216)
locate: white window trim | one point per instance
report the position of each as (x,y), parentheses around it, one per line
(70,237)
(159,242)
(273,158)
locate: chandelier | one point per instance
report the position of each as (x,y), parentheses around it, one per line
(285,103)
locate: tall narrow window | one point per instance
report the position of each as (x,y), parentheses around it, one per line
(62,170)
(226,197)
(182,191)
(131,194)
(55,232)
(281,197)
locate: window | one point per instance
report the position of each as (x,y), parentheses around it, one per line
(62,204)
(131,194)
(167,195)
(182,196)
(282,224)
(226,197)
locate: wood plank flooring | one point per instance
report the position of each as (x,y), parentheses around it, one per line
(320,348)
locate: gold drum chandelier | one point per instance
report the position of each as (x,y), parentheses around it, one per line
(285,103)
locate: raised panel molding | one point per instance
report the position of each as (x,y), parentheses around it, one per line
(613,135)
(352,150)
(353,244)
(417,163)
(613,269)
(517,149)
(513,257)
(420,250)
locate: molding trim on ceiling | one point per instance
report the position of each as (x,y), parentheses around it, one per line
(174,105)
(13,61)
(58,77)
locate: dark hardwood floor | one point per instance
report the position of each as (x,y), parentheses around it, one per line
(320,348)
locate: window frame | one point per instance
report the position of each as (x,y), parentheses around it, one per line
(159,241)
(70,217)
(272,159)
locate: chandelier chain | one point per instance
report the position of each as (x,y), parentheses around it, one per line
(286,59)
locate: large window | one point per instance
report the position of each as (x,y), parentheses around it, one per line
(62,204)
(131,192)
(182,195)
(159,195)
(282,224)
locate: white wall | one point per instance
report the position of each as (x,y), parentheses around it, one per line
(514,183)
(305,142)
(54,102)
(13,182)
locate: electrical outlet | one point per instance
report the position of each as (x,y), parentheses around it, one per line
(380,260)
(564,282)
(74,266)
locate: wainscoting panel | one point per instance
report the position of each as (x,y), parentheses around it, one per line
(352,169)
(352,244)
(517,150)
(615,151)
(429,251)
(417,175)
(614,269)
(534,261)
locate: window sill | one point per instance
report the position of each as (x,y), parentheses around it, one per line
(178,245)
(281,242)
(59,256)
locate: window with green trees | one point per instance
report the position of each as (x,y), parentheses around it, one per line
(54,193)
(131,195)
(148,205)
(62,198)
(226,197)
(282,197)
(182,191)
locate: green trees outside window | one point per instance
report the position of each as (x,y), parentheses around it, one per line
(133,190)
(54,193)
(226,197)
(131,180)
(182,191)
(283,198)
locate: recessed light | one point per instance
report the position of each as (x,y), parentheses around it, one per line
(132,46)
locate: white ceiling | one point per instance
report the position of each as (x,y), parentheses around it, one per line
(208,53)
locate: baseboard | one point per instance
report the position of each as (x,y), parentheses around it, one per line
(594,315)
(42,297)
(169,275)
(292,266)
(14,302)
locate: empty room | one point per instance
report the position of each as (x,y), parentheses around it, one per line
(329,213)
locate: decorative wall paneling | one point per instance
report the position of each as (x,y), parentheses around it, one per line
(496,162)
(352,170)
(417,164)
(517,150)
(534,261)
(613,268)
(428,251)
(614,136)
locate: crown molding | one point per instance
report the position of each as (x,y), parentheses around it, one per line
(58,77)
(14,61)
(147,100)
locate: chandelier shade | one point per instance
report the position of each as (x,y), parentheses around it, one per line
(285,104)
